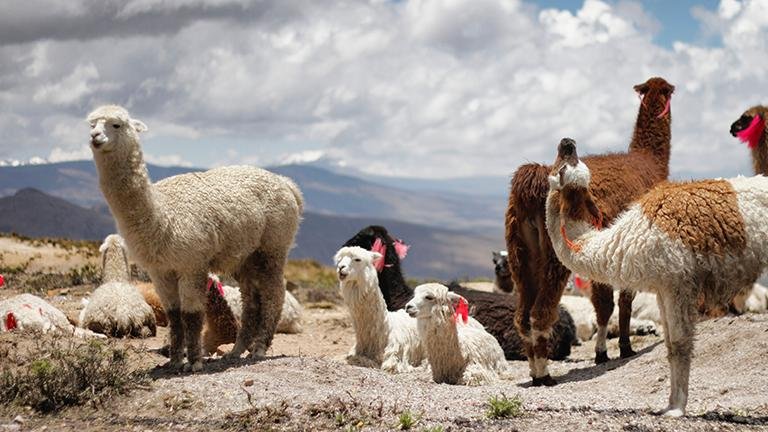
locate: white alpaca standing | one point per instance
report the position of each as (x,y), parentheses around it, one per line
(117,308)
(687,242)
(240,220)
(386,340)
(458,353)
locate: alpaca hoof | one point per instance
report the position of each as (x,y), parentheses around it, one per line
(627,352)
(193,367)
(601,357)
(672,412)
(257,354)
(232,355)
(546,380)
(173,366)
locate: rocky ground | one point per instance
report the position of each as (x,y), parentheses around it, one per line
(304,384)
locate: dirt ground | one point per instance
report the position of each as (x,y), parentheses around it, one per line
(304,384)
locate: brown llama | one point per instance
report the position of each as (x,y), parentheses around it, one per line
(750,128)
(617,179)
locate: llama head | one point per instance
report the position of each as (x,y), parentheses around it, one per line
(114,246)
(376,238)
(500,263)
(571,177)
(750,127)
(113,129)
(434,301)
(356,264)
(655,96)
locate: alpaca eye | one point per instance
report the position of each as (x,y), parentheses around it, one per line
(429,297)
(116,126)
(357,260)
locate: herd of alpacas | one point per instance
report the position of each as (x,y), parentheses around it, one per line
(674,249)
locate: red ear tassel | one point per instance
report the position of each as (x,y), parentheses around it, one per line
(10,321)
(462,310)
(2,280)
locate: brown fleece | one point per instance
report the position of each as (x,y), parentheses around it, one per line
(147,291)
(716,231)
(617,179)
(221,325)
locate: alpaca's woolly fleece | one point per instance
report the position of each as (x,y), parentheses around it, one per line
(240,220)
(388,340)
(147,291)
(491,309)
(458,353)
(26,312)
(753,300)
(583,313)
(615,179)
(117,308)
(689,242)
(224,310)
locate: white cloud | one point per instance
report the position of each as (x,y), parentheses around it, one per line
(420,88)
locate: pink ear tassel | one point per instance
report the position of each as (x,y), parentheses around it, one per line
(461,311)
(751,135)
(666,107)
(380,247)
(401,249)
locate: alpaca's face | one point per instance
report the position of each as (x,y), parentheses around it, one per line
(112,129)
(432,300)
(656,94)
(501,265)
(568,170)
(353,262)
(751,125)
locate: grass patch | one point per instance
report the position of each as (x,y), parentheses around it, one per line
(264,418)
(55,373)
(407,420)
(500,407)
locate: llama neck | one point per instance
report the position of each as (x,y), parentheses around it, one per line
(395,290)
(128,191)
(369,317)
(760,155)
(115,265)
(652,134)
(596,266)
(441,340)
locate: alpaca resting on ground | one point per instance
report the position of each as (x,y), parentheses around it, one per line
(492,310)
(458,353)
(252,214)
(685,241)
(224,307)
(619,178)
(503,282)
(116,308)
(26,312)
(383,339)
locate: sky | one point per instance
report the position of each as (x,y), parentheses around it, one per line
(419,88)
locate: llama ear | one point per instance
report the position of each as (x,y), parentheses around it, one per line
(139,125)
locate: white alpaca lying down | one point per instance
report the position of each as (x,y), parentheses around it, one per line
(26,312)
(458,353)
(386,340)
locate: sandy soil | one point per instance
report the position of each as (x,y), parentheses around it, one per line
(304,384)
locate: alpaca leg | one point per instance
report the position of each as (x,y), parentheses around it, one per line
(678,334)
(192,293)
(625,314)
(602,300)
(166,286)
(263,291)
(526,298)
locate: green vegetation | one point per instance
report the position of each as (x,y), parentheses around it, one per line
(499,407)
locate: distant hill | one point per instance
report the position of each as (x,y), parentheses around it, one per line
(435,253)
(33,213)
(325,192)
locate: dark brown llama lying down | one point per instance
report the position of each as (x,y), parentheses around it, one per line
(493,310)
(618,178)
(686,241)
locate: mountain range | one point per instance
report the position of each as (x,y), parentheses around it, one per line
(451,234)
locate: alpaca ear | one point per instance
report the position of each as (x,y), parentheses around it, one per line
(139,125)
(376,256)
